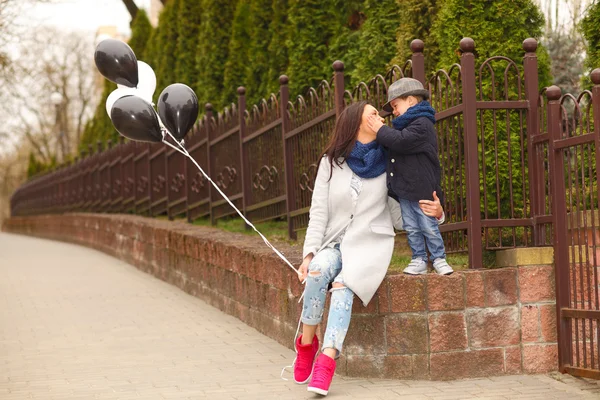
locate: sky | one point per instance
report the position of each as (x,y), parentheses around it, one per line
(83,15)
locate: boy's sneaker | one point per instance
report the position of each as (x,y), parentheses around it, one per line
(441,266)
(322,375)
(305,358)
(417,266)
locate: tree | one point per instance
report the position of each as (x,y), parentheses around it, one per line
(51,61)
(589,28)
(312,24)
(479,20)
(214,50)
(373,52)
(417,16)
(133,8)
(189,20)
(278,55)
(257,69)
(167,45)
(141,30)
(239,43)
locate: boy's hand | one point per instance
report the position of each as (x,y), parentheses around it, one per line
(374,122)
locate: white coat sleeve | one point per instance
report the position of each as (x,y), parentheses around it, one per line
(319,210)
(395,212)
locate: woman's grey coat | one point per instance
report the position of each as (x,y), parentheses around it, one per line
(369,240)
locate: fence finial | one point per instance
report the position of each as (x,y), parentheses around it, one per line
(467,45)
(530,45)
(99,146)
(208,107)
(338,66)
(553,92)
(417,46)
(283,80)
(108,144)
(241,91)
(595,76)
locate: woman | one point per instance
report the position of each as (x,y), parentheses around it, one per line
(349,240)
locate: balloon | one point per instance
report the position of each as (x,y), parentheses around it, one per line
(116,62)
(178,109)
(146,82)
(135,119)
(117,94)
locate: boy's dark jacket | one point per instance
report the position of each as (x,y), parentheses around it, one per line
(413,160)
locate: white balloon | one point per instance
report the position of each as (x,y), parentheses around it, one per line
(117,94)
(146,81)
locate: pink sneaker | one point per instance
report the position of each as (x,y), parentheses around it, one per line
(322,375)
(303,365)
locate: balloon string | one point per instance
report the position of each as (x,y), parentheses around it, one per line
(185,153)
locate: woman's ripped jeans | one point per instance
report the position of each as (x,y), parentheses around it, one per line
(326,268)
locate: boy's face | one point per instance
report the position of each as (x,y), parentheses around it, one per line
(399,105)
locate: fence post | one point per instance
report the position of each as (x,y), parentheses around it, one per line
(284,98)
(209,116)
(467,62)
(338,87)
(559,216)
(418,61)
(241,91)
(535,159)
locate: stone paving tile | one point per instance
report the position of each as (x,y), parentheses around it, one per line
(77,324)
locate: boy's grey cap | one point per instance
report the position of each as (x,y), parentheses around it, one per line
(402,88)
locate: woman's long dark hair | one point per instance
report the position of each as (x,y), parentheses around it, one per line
(344,134)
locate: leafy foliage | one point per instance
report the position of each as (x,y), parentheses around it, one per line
(589,28)
(188,28)
(418,17)
(257,68)
(213,52)
(235,71)
(278,54)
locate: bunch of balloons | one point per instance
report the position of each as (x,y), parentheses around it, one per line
(130,106)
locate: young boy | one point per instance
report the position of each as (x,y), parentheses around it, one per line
(413,169)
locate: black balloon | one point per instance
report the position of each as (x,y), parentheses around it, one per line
(135,119)
(178,109)
(117,62)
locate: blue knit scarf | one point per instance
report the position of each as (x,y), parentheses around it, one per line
(422,109)
(367,160)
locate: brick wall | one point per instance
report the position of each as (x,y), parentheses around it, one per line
(470,324)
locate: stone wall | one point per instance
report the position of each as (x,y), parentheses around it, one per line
(470,324)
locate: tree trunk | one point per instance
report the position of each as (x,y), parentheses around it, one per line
(131,7)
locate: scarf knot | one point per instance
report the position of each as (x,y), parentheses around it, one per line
(367,160)
(422,109)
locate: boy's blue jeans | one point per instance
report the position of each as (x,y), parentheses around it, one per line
(325,268)
(420,228)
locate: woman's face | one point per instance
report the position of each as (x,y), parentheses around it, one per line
(364,126)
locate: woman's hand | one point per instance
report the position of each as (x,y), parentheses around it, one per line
(432,208)
(303,269)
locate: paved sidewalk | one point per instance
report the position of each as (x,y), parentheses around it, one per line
(77,324)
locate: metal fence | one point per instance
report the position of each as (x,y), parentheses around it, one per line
(492,129)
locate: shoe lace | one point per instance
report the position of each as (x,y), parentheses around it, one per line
(288,367)
(321,372)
